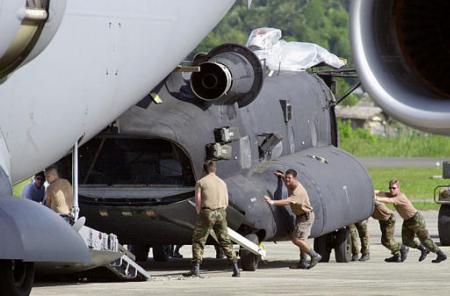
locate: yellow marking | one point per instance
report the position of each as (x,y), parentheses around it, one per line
(156,98)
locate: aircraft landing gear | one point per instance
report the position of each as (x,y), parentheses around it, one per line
(322,245)
(444,224)
(339,240)
(16,278)
(160,253)
(249,261)
(342,245)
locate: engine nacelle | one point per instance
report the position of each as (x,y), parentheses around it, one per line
(401,49)
(26,28)
(229,73)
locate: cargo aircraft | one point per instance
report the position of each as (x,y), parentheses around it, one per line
(69,68)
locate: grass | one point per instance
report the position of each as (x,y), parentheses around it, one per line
(406,143)
(18,188)
(416,183)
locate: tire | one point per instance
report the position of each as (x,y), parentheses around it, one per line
(444,225)
(342,246)
(160,253)
(322,245)
(16,278)
(249,261)
(140,252)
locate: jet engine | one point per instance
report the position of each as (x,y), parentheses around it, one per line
(26,28)
(229,73)
(401,50)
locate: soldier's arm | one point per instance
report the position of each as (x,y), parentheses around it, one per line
(385,199)
(380,193)
(198,199)
(48,199)
(228,197)
(279,202)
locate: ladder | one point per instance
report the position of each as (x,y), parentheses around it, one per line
(125,268)
(107,252)
(246,243)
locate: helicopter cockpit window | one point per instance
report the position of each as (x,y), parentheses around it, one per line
(144,162)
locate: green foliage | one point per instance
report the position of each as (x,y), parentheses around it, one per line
(323,22)
(416,183)
(18,188)
(406,143)
(342,88)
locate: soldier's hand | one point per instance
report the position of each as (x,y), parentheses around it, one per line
(268,199)
(279,174)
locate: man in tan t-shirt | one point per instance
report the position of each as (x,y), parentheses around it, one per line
(211,201)
(59,194)
(413,222)
(298,200)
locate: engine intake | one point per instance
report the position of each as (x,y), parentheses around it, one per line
(401,49)
(229,73)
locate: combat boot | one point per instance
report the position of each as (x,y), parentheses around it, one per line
(355,257)
(236,272)
(195,271)
(364,257)
(440,257)
(423,252)
(404,252)
(315,258)
(395,258)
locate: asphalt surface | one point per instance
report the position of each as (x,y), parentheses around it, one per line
(374,277)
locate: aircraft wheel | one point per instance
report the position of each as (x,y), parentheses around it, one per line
(160,253)
(322,246)
(444,225)
(249,261)
(342,247)
(16,277)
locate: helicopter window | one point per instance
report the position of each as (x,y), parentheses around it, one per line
(145,162)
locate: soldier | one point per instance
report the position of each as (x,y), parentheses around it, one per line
(298,200)
(211,200)
(413,222)
(59,195)
(35,190)
(360,229)
(386,218)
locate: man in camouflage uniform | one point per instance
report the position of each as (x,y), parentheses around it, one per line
(360,229)
(211,201)
(413,222)
(386,218)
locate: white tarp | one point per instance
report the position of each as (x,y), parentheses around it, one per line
(290,56)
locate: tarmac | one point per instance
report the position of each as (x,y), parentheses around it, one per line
(374,277)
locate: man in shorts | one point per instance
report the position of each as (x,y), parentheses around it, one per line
(298,200)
